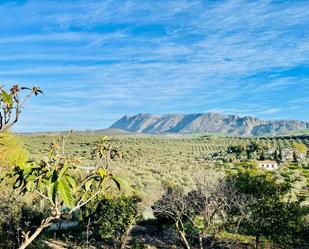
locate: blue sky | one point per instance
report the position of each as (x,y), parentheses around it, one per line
(99,60)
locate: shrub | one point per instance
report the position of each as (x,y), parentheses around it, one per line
(16,214)
(10,216)
(12,151)
(111,217)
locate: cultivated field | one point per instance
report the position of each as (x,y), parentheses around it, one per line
(148,162)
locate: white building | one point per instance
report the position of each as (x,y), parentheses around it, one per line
(267,164)
(301,156)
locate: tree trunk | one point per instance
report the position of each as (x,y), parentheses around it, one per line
(124,238)
(257,242)
(45,223)
(28,240)
(183,238)
(213,240)
(200,240)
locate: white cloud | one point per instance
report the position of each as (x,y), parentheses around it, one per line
(270,111)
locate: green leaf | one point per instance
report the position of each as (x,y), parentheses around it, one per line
(30,185)
(52,191)
(54,176)
(27,170)
(41,186)
(66,193)
(72,182)
(63,170)
(31,178)
(51,153)
(7,98)
(119,182)
(88,184)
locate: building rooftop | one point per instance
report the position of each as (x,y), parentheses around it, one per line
(267,161)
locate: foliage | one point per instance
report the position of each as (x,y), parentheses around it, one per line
(300,148)
(12,151)
(10,218)
(52,180)
(148,161)
(111,217)
(268,214)
(11,105)
(136,244)
(16,214)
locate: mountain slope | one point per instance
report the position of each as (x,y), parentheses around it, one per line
(206,123)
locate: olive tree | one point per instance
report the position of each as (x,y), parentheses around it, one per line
(270,214)
(202,213)
(174,209)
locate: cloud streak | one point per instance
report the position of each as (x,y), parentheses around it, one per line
(99,59)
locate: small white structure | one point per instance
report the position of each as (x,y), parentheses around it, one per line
(270,151)
(268,164)
(287,154)
(301,156)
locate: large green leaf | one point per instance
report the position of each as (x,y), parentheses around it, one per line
(72,182)
(119,182)
(41,185)
(63,170)
(65,192)
(88,184)
(54,176)
(52,191)
(30,185)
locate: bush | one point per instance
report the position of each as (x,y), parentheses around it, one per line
(16,213)
(10,216)
(111,217)
(12,152)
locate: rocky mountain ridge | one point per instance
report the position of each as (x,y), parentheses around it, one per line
(206,123)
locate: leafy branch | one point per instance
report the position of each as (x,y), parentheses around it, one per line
(54,181)
(11,104)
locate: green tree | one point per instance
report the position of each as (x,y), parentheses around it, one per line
(262,156)
(13,209)
(276,156)
(300,148)
(295,156)
(111,217)
(252,149)
(267,214)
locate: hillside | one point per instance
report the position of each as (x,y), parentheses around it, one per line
(206,123)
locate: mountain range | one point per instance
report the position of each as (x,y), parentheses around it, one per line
(147,123)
